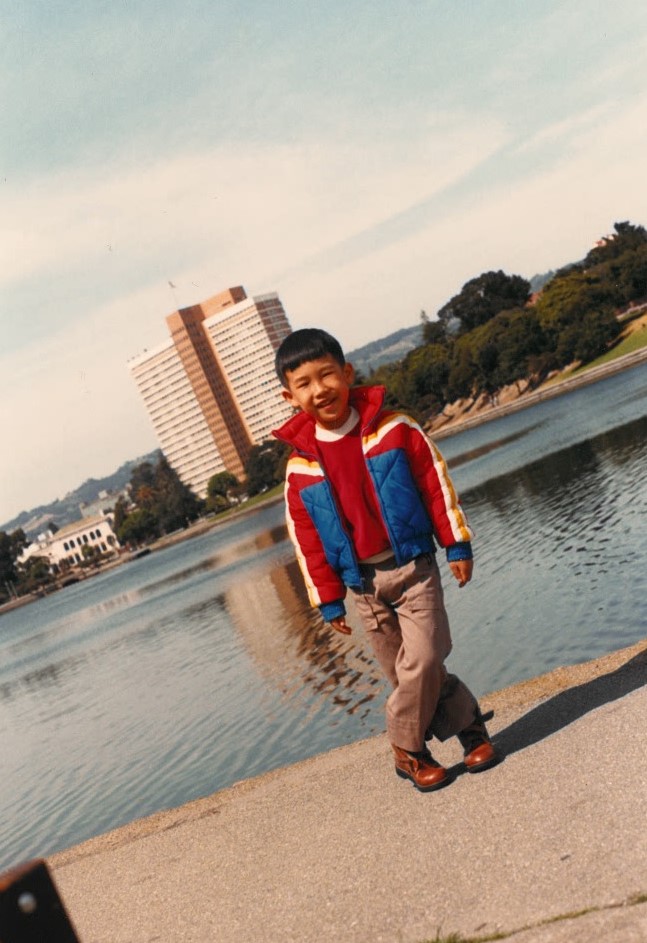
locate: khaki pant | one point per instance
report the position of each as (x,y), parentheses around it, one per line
(404,615)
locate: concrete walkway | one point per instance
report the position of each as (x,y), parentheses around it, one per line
(549,846)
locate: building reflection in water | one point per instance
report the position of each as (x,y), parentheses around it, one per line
(292,647)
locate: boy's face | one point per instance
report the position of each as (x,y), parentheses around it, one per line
(321,389)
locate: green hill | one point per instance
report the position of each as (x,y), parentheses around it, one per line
(66,510)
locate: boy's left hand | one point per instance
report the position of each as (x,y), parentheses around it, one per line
(340,625)
(462,570)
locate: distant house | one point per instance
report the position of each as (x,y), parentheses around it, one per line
(94,533)
(105,501)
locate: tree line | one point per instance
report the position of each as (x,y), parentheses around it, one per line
(494,332)
(159,502)
(156,503)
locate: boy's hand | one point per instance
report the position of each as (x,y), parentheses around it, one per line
(340,625)
(462,570)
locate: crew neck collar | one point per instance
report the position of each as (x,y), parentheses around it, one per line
(331,435)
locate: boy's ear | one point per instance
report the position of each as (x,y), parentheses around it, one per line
(289,398)
(349,373)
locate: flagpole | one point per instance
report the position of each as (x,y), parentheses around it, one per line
(173,292)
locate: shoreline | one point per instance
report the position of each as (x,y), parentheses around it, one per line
(440,427)
(197,529)
(547,847)
(506,703)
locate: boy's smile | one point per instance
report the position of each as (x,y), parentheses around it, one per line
(321,389)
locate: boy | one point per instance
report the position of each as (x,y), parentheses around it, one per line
(365,491)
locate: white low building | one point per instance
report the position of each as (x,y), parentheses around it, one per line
(69,542)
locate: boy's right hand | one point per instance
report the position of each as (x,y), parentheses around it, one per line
(340,625)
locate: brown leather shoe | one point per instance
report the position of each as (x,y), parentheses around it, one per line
(479,750)
(482,757)
(421,768)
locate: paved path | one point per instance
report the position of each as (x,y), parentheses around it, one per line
(337,848)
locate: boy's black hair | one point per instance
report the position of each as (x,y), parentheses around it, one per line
(309,343)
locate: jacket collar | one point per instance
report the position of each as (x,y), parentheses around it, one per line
(299,431)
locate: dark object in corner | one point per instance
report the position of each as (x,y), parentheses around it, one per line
(31,910)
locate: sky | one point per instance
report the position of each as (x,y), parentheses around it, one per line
(362,159)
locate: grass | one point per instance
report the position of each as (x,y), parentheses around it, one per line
(573,915)
(457,938)
(259,498)
(251,502)
(631,342)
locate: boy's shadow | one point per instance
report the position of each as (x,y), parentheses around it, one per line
(569,705)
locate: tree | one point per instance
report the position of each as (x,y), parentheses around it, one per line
(521,341)
(11,546)
(265,466)
(624,277)
(175,505)
(120,512)
(574,306)
(502,348)
(462,369)
(221,484)
(145,496)
(391,376)
(91,555)
(625,237)
(139,526)
(425,372)
(220,489)
(163,503)
(596,331)
(7,562)
(433,332)
(482,298)
(34,574)
(142,475)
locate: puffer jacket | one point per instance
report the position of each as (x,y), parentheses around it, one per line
(415,495)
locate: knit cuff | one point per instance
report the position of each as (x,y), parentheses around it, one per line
(332,610)
(459,551)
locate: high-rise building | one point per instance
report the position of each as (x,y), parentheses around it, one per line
(210,389)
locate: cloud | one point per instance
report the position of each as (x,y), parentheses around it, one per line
(540,220)
(71,410)
(93,252)
(227,200)
(359,221)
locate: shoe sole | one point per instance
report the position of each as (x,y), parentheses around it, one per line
(439,785)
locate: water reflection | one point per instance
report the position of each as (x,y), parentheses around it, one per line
(554,540)
(291,646)
(575,471)
(227,556)
(479,451)
(167,679)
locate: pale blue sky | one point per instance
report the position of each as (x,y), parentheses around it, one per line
(363,159)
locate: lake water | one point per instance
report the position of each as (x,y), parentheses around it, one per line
(180,673)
